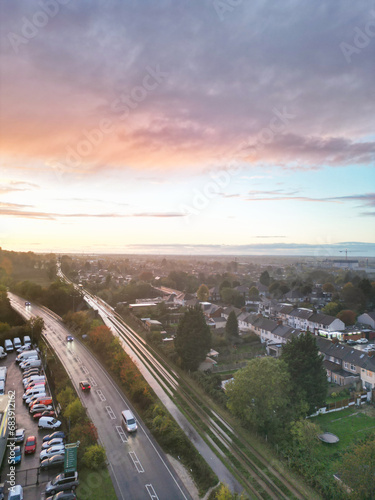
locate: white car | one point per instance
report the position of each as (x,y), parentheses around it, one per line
(58,449)
(15,493)
(52,442)
(362,341)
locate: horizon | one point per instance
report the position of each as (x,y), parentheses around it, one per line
(182,126)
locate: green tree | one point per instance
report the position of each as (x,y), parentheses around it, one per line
(307,373)
(224,493)
(332,308)
(203,293)
(231,327)
(358,469)
(94,457)
(34,327)
(75,411)
(265,278)
(260,395)
(254,293)
(193,338)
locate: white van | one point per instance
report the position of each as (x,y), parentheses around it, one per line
(2,387)
(26,340)
(129,421)
(26,354)
(3,354)
(34,378)
(38,389)
(48,423)
(8,344)
(30,363)
(3,373)
(17,342)
(31,400)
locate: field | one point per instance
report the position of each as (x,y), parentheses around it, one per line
(348,425)
(39,276)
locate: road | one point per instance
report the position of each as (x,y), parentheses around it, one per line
(139,469)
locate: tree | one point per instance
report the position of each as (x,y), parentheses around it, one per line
(231,327)
(307,373)
(260,395)
(75,411)
(35,327)
(193,338)
(94,457)
(231,296)
(203,293)
(358,469)
(265,278)
(254,293)
(332,308)
(347,316)
(328,288)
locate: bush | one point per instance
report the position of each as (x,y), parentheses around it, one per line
(94,457)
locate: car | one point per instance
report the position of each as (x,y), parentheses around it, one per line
(19,436)
(84,385)
(27,303)
(351,342)
(57,449)
(25,347)
(39,408)
(15,492)
(17,455)
(52,462)
(57,434)
(30,445)
(69,338)
(362,341)
(47,413)
(52,442)
(63,495)
(68,481)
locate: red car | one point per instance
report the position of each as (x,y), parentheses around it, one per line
(30,445)
(47,413)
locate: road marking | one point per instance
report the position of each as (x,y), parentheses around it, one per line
(110,412)
(84,369)
(121,433)
(101,395)
(78,359)
(92,382)
(151,491)
(136,462)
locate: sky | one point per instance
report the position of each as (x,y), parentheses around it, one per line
(188,126)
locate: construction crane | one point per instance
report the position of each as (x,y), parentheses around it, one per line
(346,252)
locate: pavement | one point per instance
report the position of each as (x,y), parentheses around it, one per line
(27,472)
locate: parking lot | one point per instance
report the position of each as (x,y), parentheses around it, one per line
(27,471)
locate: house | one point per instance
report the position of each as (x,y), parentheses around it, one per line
(245,321)
(264,328)
(262,289)
(266,306)
(243,290)
(294,296)
(346,365)
(215,294)
(219,322)
(319,321)
(298,318)
(367,318)
(280,336)
(227,310)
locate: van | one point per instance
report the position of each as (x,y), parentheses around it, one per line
(31,363)
(3,354)
(31,400)
(29,372)
(129,421)
(38,389)
(17,342)
(26,340)
(34,378)
(3,373)
(48,423)
(2,387)
(26,354)
(8,344)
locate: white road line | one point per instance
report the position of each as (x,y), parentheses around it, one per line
(84,369)
(151,492)
(136,462)
(110,412)
(92,382)
(101,395)
(78,359)
(121,433)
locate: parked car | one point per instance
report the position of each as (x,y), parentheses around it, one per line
(48,413)
(57,434)
(63,495)
(39,408)
(17,455)
(16,493)
(48,423)
(58,449)
(19,436)
(84,385)
(362,341)
(56,461)
(30,445)
(52,442)
(68,481)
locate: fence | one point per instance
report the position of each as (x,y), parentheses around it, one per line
(342,404)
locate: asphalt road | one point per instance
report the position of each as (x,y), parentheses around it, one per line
(138,467)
